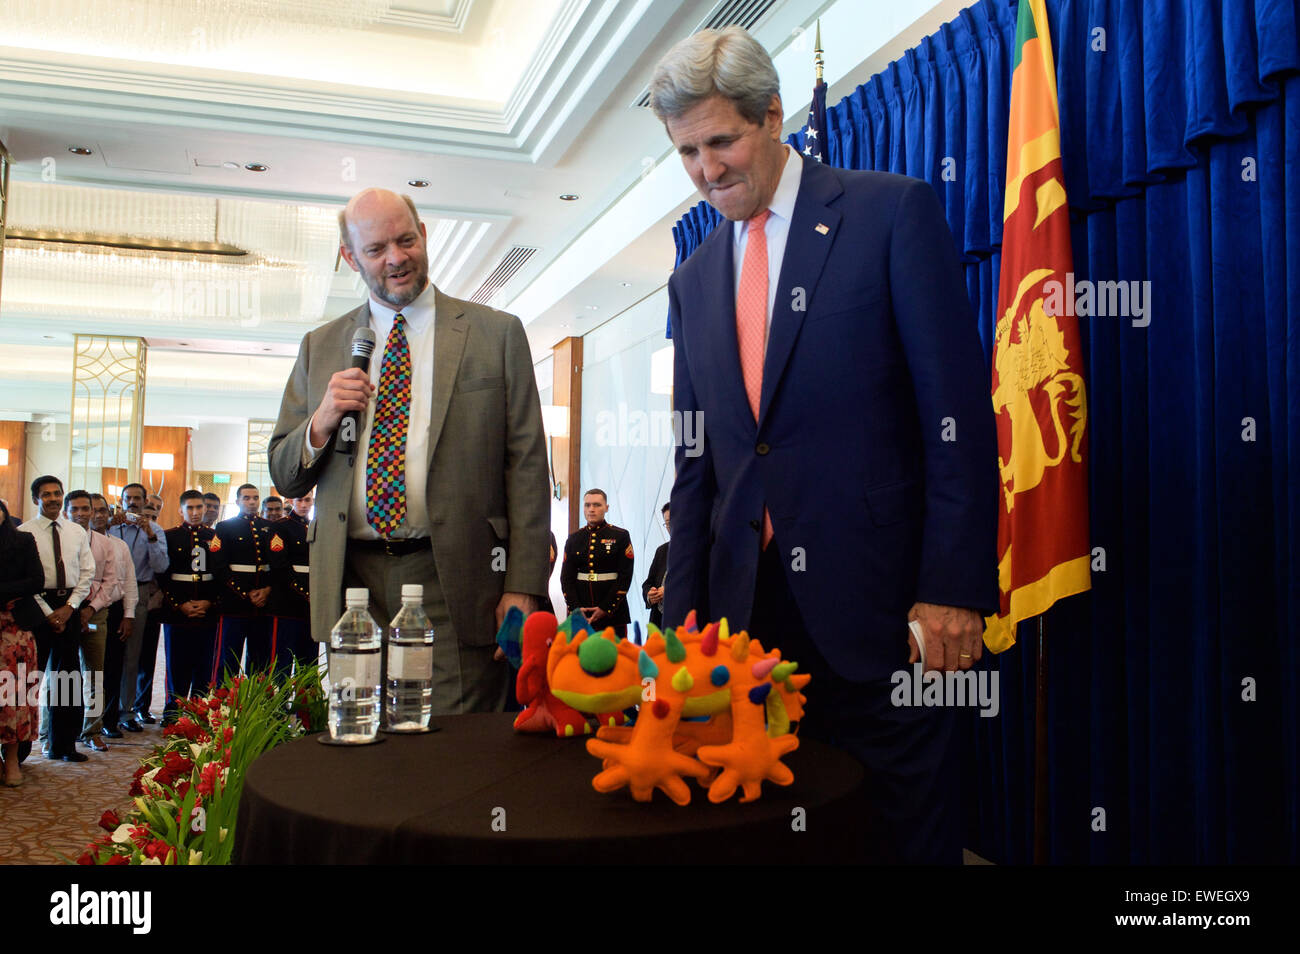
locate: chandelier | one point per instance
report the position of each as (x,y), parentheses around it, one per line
(169,28)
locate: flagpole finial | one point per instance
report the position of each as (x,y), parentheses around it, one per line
(817,53)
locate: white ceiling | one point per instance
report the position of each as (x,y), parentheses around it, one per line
(501,105)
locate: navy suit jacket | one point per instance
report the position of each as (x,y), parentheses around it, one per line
(874,450)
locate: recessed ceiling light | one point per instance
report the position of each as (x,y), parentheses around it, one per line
(79,150)
(256,167)
(418,183)
(230,164)
(569,197)
(626,284)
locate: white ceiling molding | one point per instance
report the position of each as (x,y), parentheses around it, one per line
(581,41)
(453,22)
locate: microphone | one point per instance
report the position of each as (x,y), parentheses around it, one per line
(363,345)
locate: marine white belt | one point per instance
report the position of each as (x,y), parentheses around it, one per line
(597,577)
(247,568)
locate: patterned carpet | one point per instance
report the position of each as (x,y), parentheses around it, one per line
(56,810)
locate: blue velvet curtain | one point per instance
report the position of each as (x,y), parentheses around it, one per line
(1172,721)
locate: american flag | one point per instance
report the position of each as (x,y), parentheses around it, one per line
(814,143)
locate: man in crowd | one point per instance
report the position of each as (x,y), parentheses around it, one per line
(108,586)
(291,593)
(597,569)
(246,613)
(272,509)
(131,694)
(652,590)
(69,568)
(191,592)
(211,509)
(121,618)
(824,338)
(445,482)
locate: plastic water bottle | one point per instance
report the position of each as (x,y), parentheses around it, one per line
(356,643)
(409,696)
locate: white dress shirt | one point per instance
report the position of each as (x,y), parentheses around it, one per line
(418,317)
(776,229)
(128,591)
(106,586)
(78,561)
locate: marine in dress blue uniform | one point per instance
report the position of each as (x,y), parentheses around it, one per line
(246,586)
(194,565)
(597,572)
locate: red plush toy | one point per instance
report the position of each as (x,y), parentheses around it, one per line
(542,711)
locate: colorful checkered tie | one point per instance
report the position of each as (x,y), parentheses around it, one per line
(386,455)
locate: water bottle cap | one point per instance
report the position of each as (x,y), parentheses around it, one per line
(412,591)
(357,596)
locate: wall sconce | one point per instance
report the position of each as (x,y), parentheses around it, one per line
(152,462)
(555,422)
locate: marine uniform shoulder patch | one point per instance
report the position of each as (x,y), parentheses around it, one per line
(214,544)
(628,552)
(276,543)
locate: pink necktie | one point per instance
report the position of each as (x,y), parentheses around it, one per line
(751,323)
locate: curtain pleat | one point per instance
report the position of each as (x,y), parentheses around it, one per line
(1173,725)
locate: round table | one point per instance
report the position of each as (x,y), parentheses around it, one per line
(477,792)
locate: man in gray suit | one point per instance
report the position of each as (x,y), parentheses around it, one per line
(448,483)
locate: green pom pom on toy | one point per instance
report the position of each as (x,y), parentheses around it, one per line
(676,651)
(597,656)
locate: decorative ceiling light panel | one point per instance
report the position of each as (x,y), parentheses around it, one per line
(154,27)
(225,263)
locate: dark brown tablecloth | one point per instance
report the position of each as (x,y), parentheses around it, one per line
(433,799)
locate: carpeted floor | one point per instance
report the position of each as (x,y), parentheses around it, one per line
(55,812)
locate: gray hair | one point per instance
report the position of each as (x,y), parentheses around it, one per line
(346,239)
(728,62)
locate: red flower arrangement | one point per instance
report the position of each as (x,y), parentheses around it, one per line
(187,791)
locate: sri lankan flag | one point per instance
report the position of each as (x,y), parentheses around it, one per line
(1038,392)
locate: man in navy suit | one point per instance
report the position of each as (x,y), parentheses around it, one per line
(845,482)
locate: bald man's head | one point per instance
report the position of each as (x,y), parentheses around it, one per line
(383,240)
(365,202)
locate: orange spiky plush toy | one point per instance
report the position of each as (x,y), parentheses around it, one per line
(750,695)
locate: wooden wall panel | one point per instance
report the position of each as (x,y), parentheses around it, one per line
(13,476)
(174,441)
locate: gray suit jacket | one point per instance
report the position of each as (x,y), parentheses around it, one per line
(487,484)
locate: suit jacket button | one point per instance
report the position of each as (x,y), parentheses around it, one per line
(762,450)
(753,525)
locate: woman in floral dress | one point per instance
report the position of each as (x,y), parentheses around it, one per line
(21,576)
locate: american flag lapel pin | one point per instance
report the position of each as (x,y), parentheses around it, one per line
(822,229)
